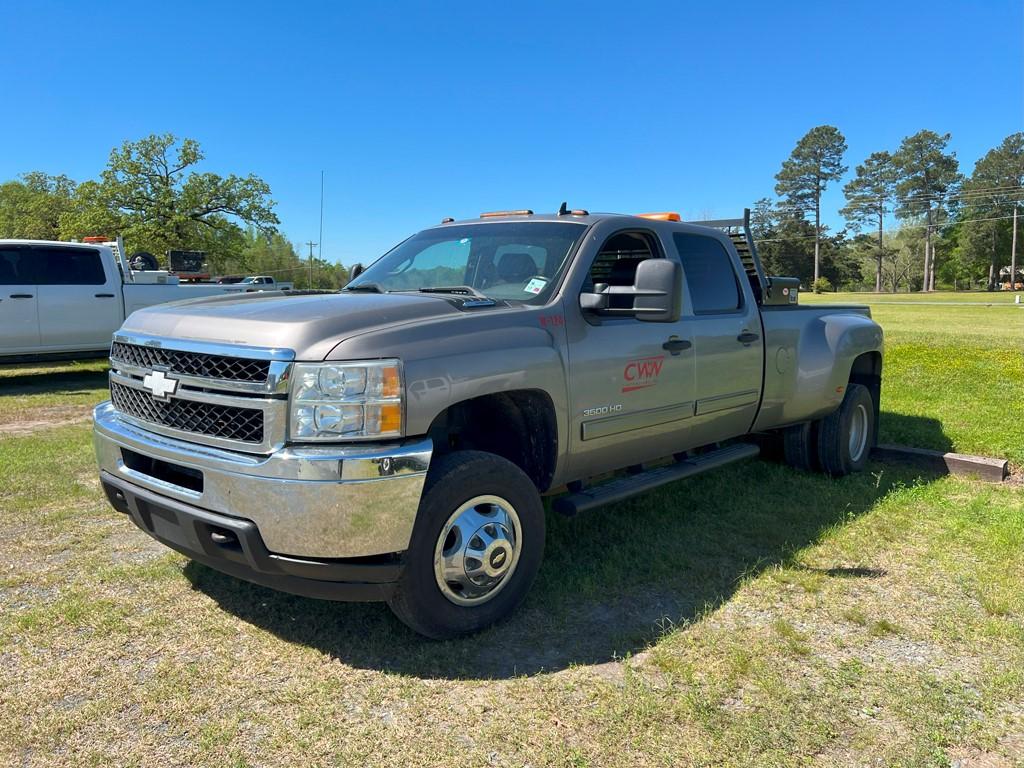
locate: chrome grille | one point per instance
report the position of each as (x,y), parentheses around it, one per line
(191,363)
(204,418)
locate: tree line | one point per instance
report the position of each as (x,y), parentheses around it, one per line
(955,231)
(153,194)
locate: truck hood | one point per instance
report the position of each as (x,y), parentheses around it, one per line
(311,325)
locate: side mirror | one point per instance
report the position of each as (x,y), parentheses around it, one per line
(356,271)
(656,293)
(659,291)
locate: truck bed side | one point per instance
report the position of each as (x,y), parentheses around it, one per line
(811,353)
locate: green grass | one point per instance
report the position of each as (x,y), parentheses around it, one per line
(952,374)
(757,616)
(995,298)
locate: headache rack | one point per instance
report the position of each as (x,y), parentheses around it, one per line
(738,230)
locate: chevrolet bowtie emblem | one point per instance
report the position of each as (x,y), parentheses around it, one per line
(160,385)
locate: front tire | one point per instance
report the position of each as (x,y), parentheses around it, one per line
(476,547)
(847,435)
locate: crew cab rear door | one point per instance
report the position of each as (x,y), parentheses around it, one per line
(725,327)
(631,383)
(79,297)
(19,303)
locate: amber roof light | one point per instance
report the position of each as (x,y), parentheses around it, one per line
(492,214)
(666,216)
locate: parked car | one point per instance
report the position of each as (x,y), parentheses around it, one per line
(262,283)
(393,441)
(67,299)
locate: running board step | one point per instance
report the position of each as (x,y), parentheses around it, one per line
(630,485)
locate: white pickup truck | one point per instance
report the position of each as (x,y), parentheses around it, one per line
(261,283)
(67,299)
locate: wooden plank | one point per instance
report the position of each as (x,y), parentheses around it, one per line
(982,467)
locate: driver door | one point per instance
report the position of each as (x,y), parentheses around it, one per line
(631,382)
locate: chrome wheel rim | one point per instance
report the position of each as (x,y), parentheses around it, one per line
(477,550)
(858,432)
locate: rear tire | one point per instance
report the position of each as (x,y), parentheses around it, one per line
(800,446)
(847,435)
(476,547)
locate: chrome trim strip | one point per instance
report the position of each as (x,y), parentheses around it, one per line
(325,502)
(205,347)
(275,418)
(277,378)
(725,402)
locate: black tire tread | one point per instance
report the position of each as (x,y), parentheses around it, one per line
(799,446)
(453,478)
(832,448)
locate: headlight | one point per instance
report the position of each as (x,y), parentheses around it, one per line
(331,401)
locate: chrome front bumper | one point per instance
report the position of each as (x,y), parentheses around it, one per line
(316,502)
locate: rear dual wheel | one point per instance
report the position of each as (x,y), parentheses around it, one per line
(838,444)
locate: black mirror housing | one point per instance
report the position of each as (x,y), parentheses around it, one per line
(659,287)
(356,270)
(656,293)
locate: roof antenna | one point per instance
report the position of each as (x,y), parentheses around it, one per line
(563,209)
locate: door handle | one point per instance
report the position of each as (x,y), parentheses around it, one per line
(21,295)
(747,337)
(675,346)
(104,295)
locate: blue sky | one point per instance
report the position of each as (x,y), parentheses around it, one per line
(417,111)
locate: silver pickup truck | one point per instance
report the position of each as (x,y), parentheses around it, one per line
(393,441)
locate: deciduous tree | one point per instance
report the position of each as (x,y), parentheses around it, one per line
(31,207)
(153,193)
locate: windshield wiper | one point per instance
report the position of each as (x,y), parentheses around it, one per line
(368,287)
(458,290)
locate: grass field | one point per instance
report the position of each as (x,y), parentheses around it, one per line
(757,616)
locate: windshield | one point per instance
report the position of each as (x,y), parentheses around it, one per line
(517,261)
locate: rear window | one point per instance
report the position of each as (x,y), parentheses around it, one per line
(68,266)
(14,267)
(709,274)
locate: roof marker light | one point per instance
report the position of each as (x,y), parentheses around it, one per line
(666,216)
(492,214)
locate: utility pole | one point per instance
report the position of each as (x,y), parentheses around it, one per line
(1013,252)
(311,244)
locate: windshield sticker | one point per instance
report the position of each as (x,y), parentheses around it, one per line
(536,285)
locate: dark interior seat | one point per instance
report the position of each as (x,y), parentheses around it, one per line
(516,267)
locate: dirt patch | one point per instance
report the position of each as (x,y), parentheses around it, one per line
(1009,752)
(36,419)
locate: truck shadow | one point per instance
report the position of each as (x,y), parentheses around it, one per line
(63,381)
(613,581)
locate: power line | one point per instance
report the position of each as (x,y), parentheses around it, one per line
(905,226)
(962,195)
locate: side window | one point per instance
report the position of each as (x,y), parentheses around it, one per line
(14,267)
(616,262)
(709,274)
(68,266)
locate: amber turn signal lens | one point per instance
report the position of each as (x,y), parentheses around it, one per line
(389,386)
(390,417)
